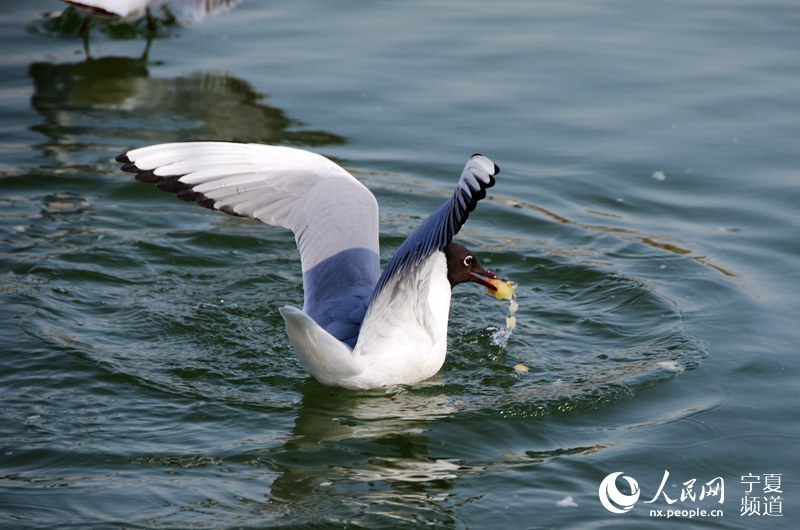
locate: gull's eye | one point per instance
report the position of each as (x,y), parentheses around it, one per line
(468,261)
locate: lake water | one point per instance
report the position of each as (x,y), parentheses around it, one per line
(647,207)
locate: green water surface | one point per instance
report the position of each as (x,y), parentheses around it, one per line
(647,207)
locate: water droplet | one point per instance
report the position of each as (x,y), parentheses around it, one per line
(659,175)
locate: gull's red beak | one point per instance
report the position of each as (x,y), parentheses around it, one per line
(485,278)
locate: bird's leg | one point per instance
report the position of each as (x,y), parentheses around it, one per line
(84,33)
(146,51)
(151,32)
(151,22)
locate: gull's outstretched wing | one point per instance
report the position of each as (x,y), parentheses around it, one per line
(410,305)
(438,230)
(333,216)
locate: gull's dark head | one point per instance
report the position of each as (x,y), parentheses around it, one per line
(463,266)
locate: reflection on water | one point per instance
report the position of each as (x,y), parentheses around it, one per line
(116,99)
(334,430)
(335,415)
(375,452)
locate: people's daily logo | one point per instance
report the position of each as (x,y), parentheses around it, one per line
(614,500)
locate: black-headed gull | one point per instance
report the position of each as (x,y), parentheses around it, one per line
(127,9)
(359,328)
(194,10)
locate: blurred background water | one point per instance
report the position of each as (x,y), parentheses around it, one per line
(647,207)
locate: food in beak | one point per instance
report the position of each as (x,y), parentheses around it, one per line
(501,289)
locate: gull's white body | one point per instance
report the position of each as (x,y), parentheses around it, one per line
(126,9)
(117,8)
(403,339)
(358,328)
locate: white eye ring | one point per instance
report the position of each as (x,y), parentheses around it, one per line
(468,261)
